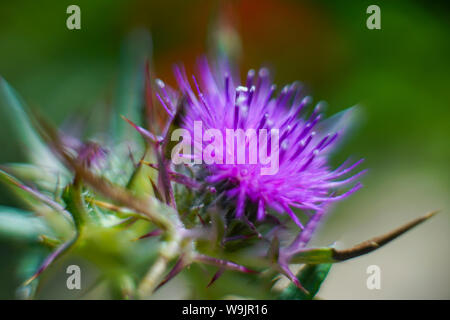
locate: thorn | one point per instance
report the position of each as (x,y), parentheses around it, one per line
(216,276)
(179,265)
(26,283)
(377,242)
(223,263)
(201,220)
(288,273)
(50,258)
(156,191)
(153,233)
(145,133)
(130,154)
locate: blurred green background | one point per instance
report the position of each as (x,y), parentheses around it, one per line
(399,75)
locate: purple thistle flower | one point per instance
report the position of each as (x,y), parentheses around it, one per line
(304,179)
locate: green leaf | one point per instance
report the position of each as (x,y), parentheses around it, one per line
(15,108)
(311,277)
(21,225)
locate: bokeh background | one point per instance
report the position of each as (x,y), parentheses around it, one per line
(399,75)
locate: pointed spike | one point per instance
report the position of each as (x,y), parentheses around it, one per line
(156,191)
(153,233)
(222,263)
(50,258)
(216,276)
(293,216)
(377,242)
(145,133)
(252,227)
(288,273)
(179,265)
(168,110)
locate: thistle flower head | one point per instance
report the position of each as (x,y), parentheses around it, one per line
(303,178)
